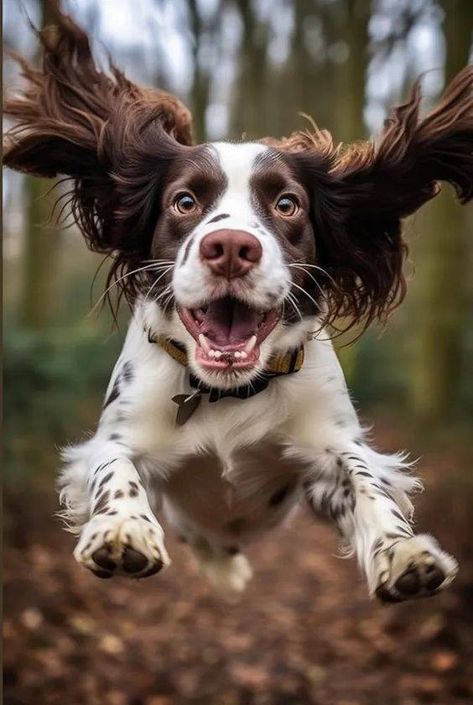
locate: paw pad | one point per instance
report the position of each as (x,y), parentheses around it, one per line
(417,568)
(122,546)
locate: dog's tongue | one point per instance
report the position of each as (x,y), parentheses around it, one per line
(229,322)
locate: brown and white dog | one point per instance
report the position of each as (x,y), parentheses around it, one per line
(227,407)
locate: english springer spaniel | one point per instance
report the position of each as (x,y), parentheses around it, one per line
(227,408)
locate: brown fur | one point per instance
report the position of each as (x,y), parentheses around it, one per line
(364,190)
(117,143)
(114,139)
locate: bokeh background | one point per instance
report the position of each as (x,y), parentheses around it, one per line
(304,633)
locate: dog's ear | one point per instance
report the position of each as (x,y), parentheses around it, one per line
(104,132)
(360,194)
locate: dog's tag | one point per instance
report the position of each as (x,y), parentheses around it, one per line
(187,404)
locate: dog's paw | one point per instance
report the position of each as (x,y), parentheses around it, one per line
(413,568)
(122,545)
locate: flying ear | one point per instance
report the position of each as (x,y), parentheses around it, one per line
(393,179)
(361,193)
(380,185)
(97,128)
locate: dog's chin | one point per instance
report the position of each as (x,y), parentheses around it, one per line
(228,335)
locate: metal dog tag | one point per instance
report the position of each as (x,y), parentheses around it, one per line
(187,404)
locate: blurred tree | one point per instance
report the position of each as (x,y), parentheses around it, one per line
(443,298)
(307,67)
(201,28)
(39,302)
(351,54)
(249,95)
(348,28)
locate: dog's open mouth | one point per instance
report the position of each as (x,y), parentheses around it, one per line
(228,332)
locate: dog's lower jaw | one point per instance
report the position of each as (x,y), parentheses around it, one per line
(232,377)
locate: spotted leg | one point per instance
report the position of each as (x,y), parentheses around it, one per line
(121,535)
(366,495)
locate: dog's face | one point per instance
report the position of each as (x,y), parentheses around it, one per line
(235,222)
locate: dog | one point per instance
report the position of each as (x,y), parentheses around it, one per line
(227,408)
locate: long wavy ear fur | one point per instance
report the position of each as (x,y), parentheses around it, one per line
(414,155)
(367,189)
(97,128)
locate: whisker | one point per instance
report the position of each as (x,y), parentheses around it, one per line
(318,285)
(158,261)
(163,274)
(293,302)
(315,266)
(118,280)
(168,301)
(163,293)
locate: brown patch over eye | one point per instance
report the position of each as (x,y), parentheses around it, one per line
(287,205)
(185,203)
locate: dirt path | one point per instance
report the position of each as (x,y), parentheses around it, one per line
(303,634)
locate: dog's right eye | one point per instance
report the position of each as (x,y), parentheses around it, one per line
(185,203)
(287,205)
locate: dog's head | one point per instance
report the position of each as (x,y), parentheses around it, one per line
(236,255)
(240,248)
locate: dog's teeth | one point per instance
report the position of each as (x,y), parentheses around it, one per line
(237,354)
(250,345)
(204,343)
(243,354)
(217,353)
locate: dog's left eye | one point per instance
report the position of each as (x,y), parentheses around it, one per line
(287,205)
(185,203)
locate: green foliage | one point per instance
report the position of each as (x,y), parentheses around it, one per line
(54,381)
(378,379)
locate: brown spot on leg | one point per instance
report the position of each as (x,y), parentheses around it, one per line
(102,501)
(106,479)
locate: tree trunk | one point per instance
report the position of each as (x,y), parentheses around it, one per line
(441,287)
(248,112)
(350,76)
(39,301)
(352,19)
(200,90)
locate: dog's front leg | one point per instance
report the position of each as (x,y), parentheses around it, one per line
(366,494)
(121,535)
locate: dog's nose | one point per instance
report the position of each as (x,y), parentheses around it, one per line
(231,253)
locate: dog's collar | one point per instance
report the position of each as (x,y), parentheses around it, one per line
(277,366)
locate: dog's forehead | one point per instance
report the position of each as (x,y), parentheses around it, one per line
(238,162)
